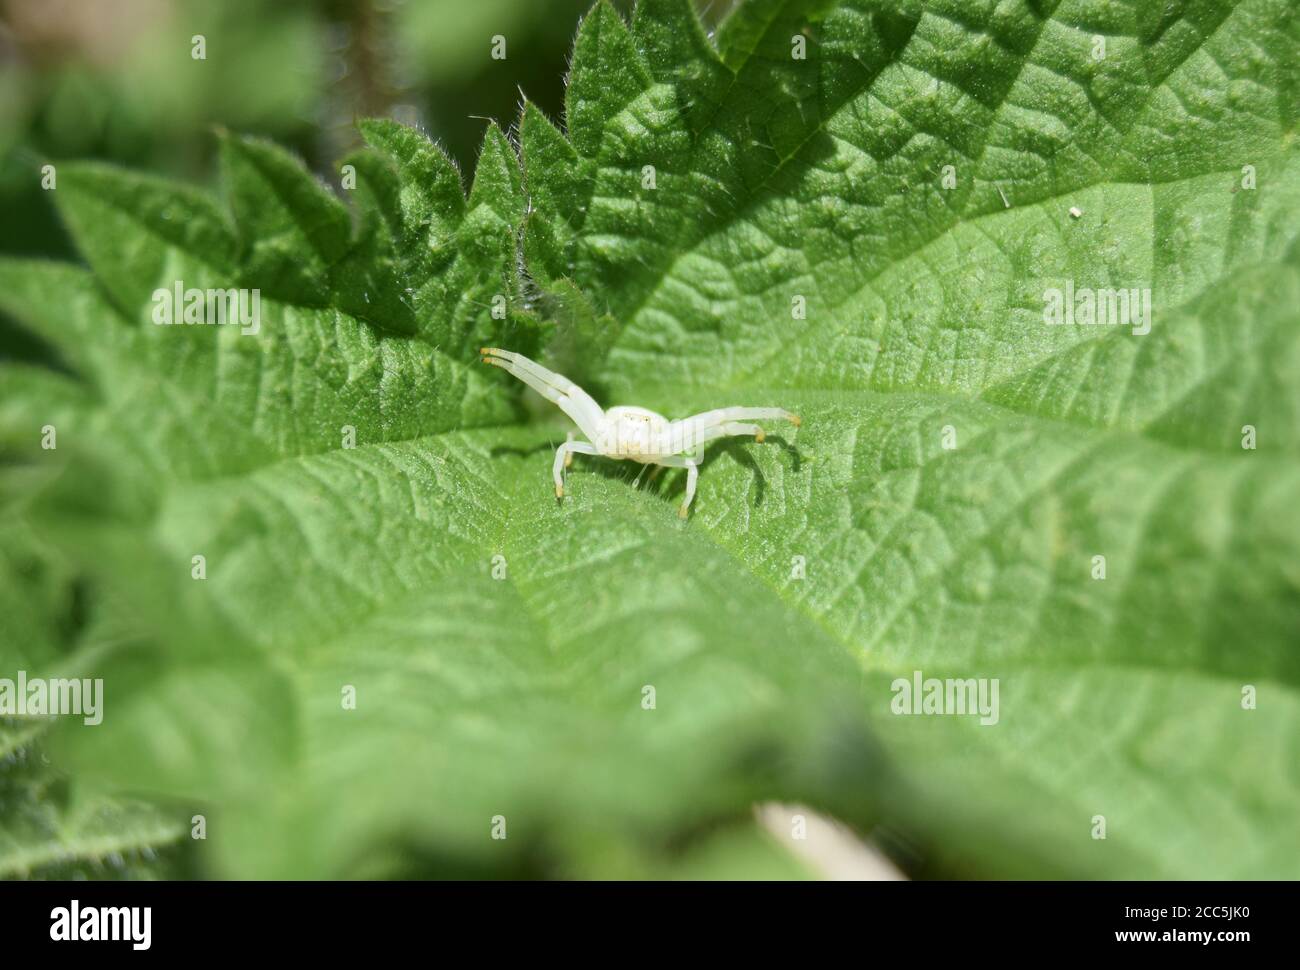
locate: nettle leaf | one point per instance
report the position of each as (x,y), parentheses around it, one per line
(867,235)
(859,211)
(48,830)
(51,825)
(283,213)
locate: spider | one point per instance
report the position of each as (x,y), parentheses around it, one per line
(632,433)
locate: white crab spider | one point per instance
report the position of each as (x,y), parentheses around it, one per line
(632,433)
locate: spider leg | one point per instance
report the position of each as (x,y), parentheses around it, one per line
(564,457)
(735,429)
(721,415)
(697,430)
(556,388)
(692,465)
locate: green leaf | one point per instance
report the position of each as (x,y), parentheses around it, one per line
(430,195)
(283,213)
(678,53)
(820,181)
(396,643)
(555,193)
(608,74)
(130,225)
(52,827)
(496,180)
(48,831)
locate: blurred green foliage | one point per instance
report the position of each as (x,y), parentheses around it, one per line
(117,81)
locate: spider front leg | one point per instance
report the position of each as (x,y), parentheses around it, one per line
(564,458)
(556,388)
